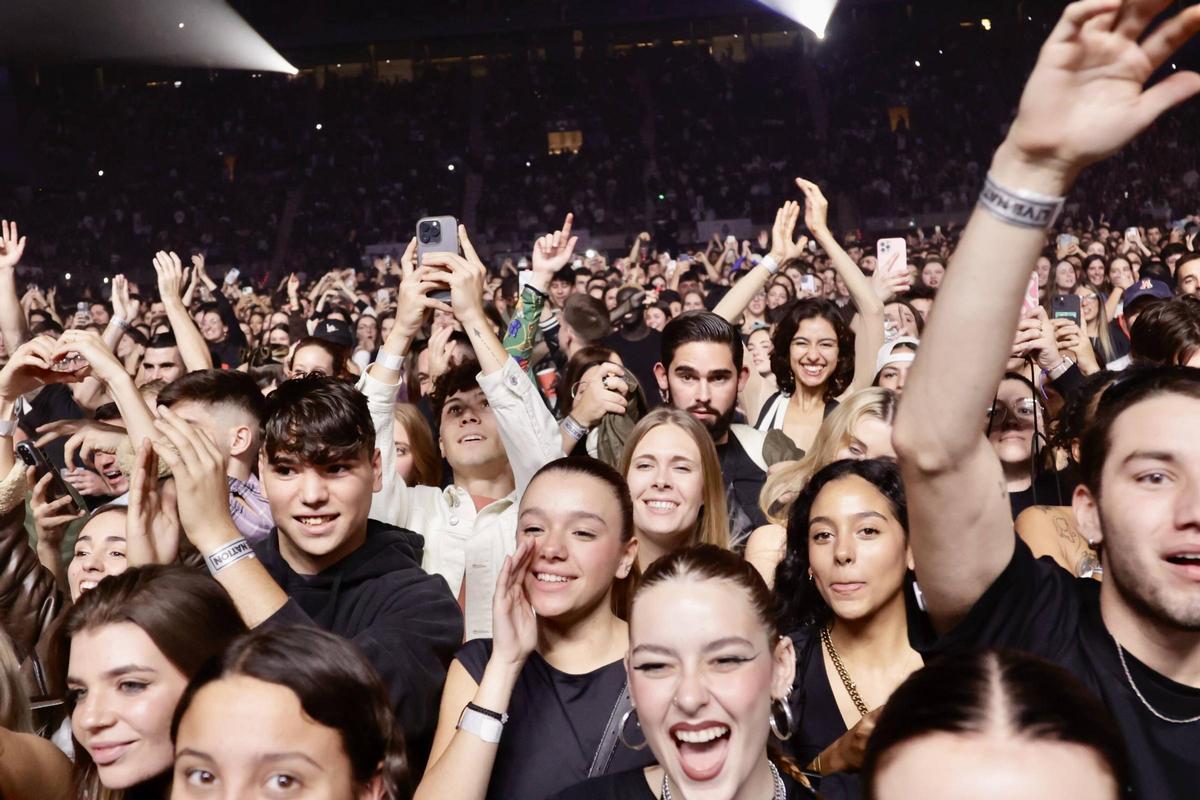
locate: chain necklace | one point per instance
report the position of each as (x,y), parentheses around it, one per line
(851,689)
(1145,702)
(779,794)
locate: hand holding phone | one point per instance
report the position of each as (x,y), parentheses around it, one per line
(57,489)
(1030,302)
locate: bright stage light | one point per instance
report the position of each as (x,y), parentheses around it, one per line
(812,14)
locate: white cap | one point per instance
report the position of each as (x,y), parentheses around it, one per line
(888,354)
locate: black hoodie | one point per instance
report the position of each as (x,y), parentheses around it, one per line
(405,621)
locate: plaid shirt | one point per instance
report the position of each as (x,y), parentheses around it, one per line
(249,508)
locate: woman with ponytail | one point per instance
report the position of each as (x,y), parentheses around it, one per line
(288,711)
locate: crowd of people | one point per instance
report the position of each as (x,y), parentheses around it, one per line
(793,517)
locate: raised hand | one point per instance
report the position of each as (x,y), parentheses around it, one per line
(413,300)
(201,485)
(31,366)
(783,248)
(553,251)
(87,483)
(441,350)
(600,391)
(12,245)
(98,360)
(122,305)
(85,438)
(465,275)
(890,280)
(170,275)
(514,624)
(1086,97)
(50,517)
(816,207)
(152,525)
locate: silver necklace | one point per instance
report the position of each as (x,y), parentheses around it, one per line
(1145,702)
(780,789)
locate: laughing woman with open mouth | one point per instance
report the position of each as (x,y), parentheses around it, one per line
(709,675)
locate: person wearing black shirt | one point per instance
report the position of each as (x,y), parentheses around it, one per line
(701,372)
(637,345)
(1135,638)
(325,564)
(525,714)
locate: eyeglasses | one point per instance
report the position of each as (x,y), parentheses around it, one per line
(1023,412)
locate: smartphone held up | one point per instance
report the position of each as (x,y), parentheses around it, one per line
(437,235)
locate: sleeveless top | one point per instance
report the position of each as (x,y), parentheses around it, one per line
(555,723)
(775,410)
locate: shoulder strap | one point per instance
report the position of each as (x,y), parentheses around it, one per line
(751,441)
(611,737)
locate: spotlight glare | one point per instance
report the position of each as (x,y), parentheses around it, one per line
(181,26)
(100,173)
(318,126)
(450,167)
(986,23)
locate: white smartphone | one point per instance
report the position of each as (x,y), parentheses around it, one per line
(892,255)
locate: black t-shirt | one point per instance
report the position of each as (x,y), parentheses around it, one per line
(631,785)
(743,483)
(1036,606)
(1050,489)
(640,357)
(555,722)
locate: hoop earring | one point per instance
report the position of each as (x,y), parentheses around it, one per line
(790,728)
(636,721)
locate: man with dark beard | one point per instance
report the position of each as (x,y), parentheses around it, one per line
(635,342)
(701,372)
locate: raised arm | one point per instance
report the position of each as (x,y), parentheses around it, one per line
(869,325)
(192,347)
(105,367)
(13,325)
(466,275)
(782,248)
(1084,101)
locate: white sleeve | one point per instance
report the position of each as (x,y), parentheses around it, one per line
(390,503)
(527,428)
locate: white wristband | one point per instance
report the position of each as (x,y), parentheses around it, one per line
(390,361)
(487,728)
(1019,207)
(770,263)
(229,553)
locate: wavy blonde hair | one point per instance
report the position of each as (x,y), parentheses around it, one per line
(782,485)
(713,522)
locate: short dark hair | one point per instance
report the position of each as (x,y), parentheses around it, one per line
(1158,270)
(459,378)
(1166,332)
(781,360)
(564,275)
(974,691)
(700,326)
(162,341)
(587,316)
(319,420)
(1135,385)
(216,387)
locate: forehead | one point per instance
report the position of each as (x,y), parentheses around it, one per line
(238,717)
(687,613)
(849,495)
(468,396)
(1164,424)
(815,326)
(703,356)
(102,648)
(667,441)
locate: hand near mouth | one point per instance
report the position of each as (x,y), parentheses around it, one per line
(514,623)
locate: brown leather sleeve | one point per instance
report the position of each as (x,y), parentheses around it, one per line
(30,604)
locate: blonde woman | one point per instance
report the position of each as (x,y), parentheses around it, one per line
(674,476)
(861,427)
(31,768)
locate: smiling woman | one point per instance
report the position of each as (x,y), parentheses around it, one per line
(709,678)
(134,641)
(524,714)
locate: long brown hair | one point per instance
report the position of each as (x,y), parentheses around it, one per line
(712,527)
(427,463)
(187,615)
